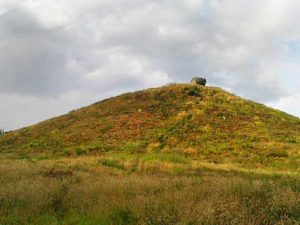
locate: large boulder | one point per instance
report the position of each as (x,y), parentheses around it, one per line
(198,80)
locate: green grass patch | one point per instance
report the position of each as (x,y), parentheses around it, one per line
(121,216)
(278,153)
(164,157)
(132,146)
(111,163)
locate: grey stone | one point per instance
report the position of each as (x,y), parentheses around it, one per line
(198,80)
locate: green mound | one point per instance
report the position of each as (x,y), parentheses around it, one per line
(187,119)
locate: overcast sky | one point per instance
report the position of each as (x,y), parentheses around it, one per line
(59,55)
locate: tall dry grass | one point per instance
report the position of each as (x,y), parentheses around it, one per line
(79,192)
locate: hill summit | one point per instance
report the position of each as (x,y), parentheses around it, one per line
(188,119)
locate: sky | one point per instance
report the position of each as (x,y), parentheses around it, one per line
(56,56)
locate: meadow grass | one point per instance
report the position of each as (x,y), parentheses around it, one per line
(161,190)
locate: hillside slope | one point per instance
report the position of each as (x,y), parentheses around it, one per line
(183,118)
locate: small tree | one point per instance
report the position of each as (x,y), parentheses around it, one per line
(1,132)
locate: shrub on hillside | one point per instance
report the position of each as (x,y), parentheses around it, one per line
(279,153)
(132,146)
(111,163)
(193,92)
(81,150)
(121,216)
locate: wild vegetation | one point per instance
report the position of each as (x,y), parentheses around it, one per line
(192,120)
(180,154)
(156,190)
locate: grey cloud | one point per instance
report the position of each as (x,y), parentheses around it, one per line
(194,44)
(165,33)
(98,47)
(33,59)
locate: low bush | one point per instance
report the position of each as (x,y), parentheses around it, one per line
(131,146)
(193,92)
(121,216)
(280,153)
(111,163)
(81,150)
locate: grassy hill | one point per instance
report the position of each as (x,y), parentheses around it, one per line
(186,119)
(177,155)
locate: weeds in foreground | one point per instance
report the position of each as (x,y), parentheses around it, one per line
(97,193)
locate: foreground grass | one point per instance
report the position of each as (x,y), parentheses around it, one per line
(152,189)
